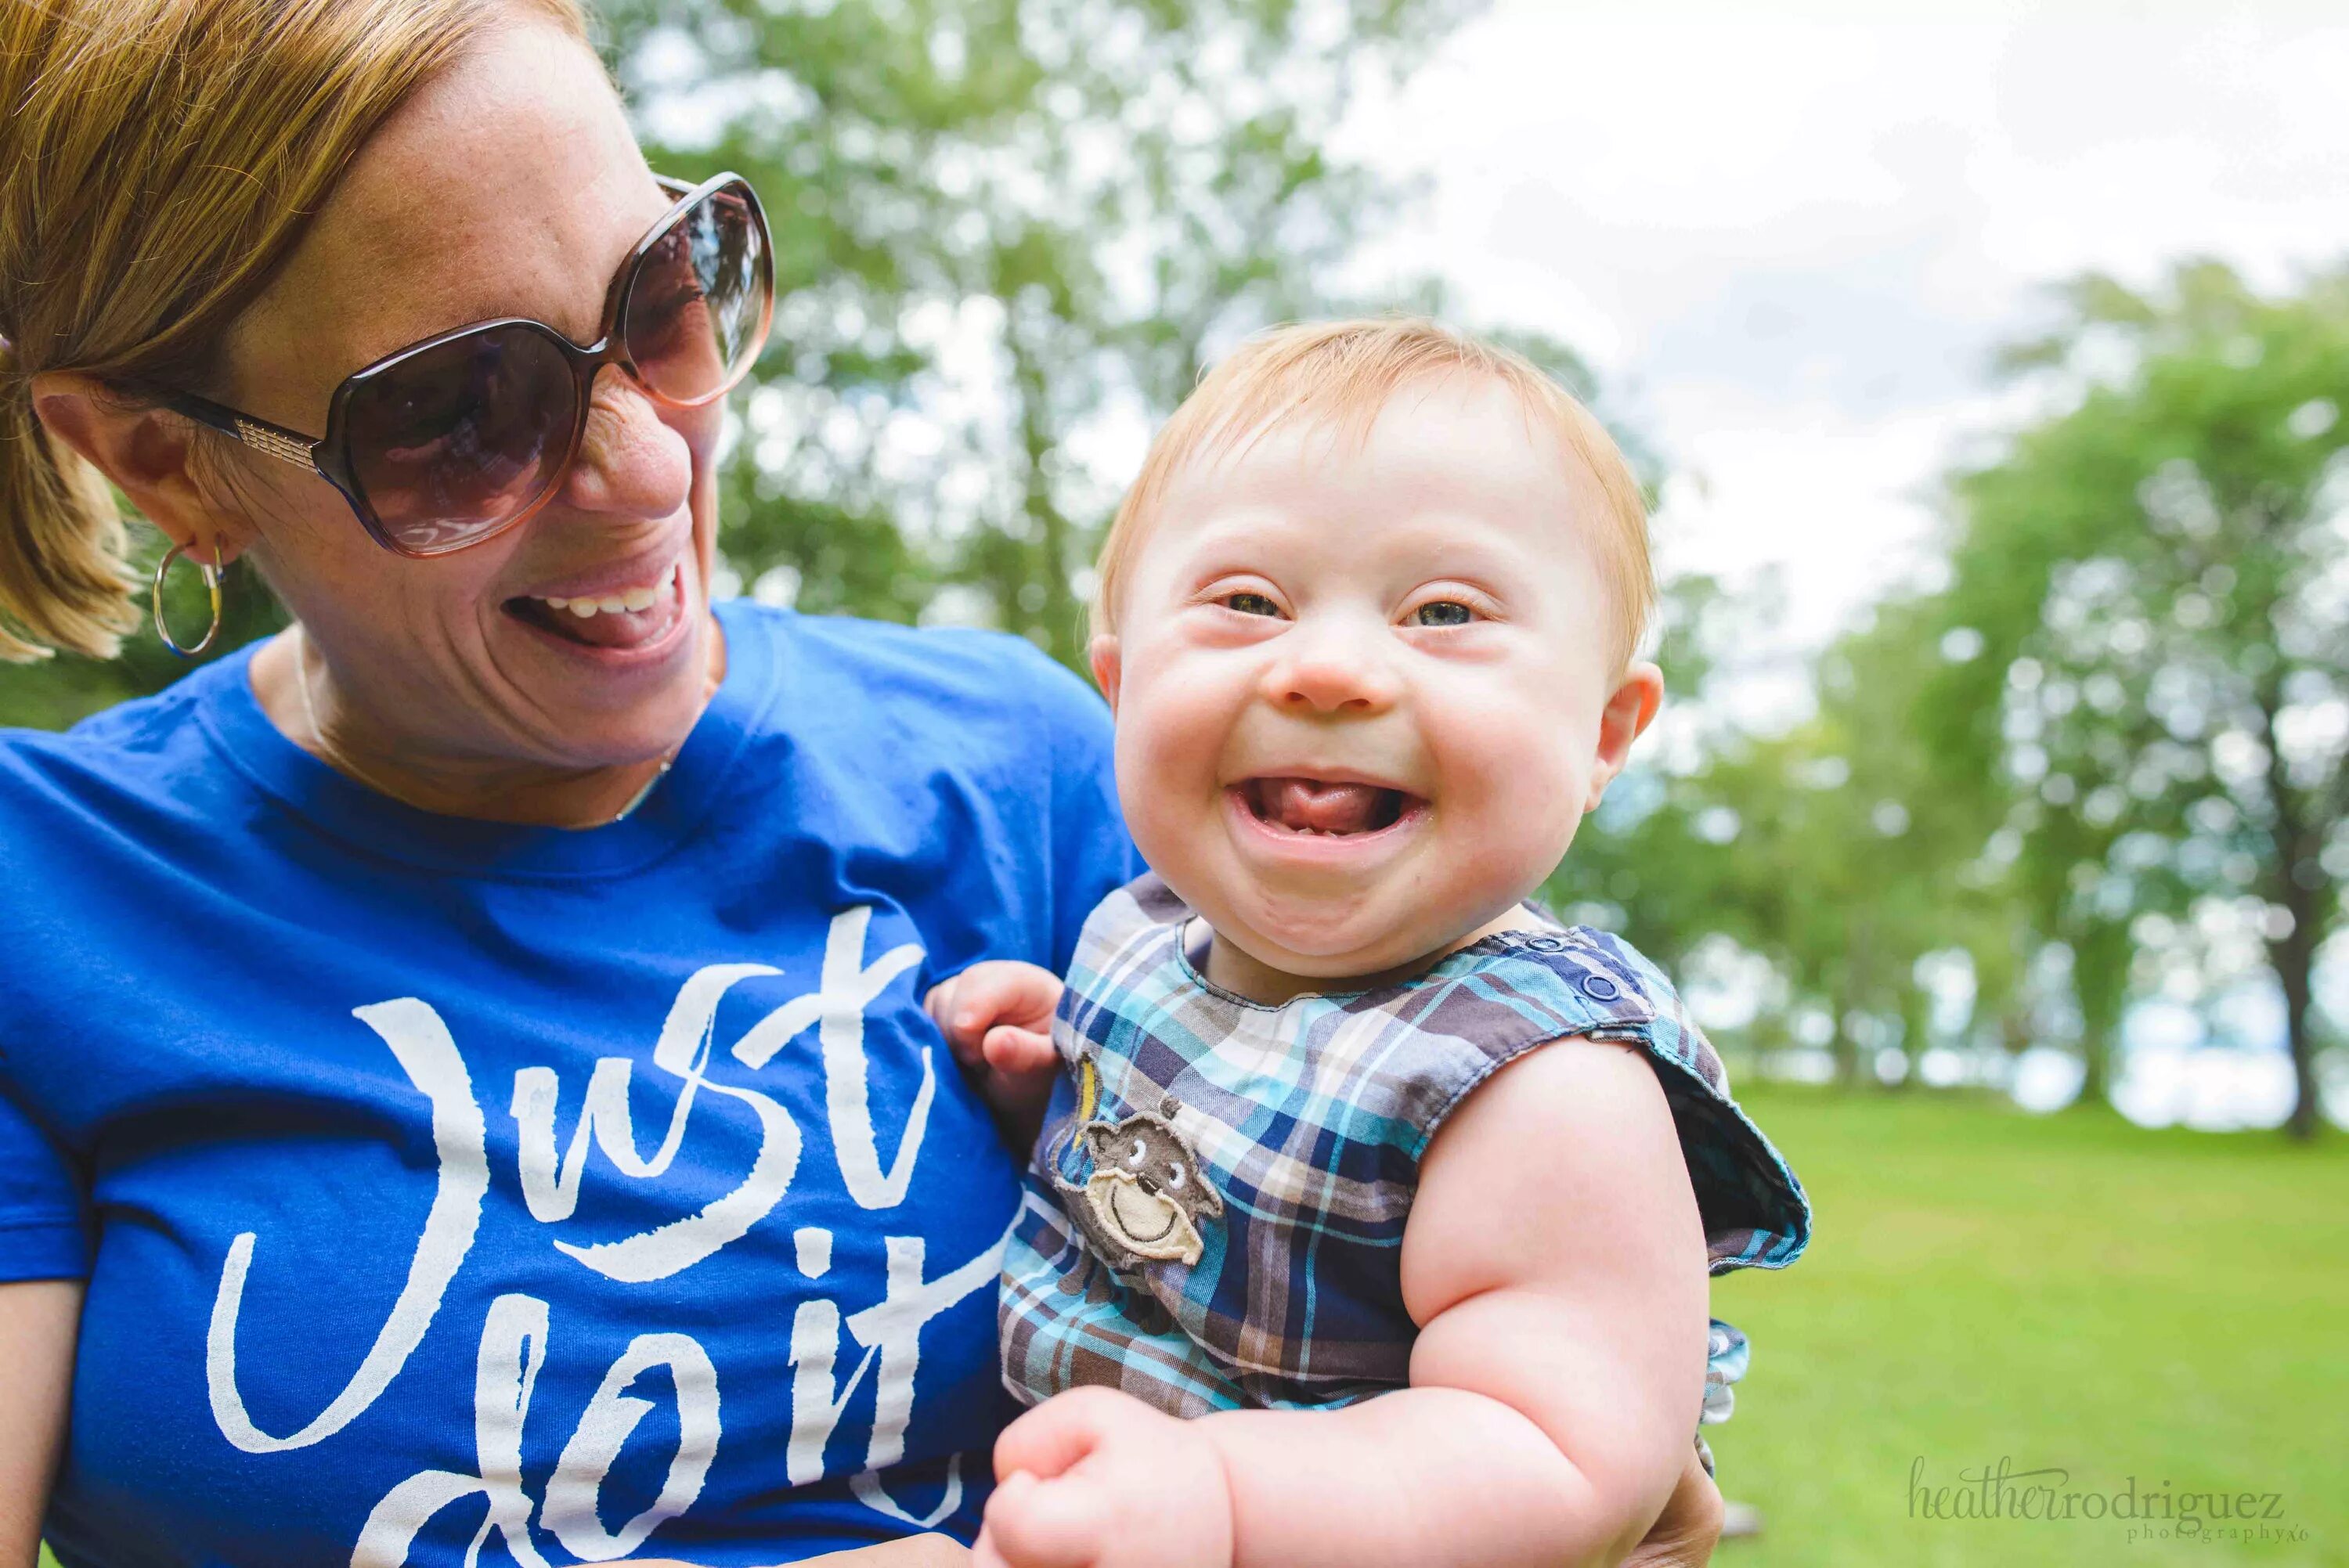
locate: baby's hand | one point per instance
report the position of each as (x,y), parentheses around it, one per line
(1096,1478)
(997,1017)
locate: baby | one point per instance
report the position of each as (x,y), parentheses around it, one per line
(1367,621)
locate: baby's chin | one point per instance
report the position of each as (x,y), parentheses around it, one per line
(1329,945)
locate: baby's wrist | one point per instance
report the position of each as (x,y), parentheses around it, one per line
(1224,1480)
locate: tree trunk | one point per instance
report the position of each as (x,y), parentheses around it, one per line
(2299,884)
(1846,1048)
(2101,955)
(1058,616)
(2293,958)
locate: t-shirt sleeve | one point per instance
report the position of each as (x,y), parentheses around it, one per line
(1091,854)
(44,1232)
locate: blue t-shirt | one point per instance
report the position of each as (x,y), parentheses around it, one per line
(441,1183)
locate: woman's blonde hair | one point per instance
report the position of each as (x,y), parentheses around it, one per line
(1345,372)
(159,160)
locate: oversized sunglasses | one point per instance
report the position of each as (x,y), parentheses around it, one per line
(458,438)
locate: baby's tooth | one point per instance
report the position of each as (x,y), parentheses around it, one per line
(553,603)
(583,608)
(642,598)
(612,605)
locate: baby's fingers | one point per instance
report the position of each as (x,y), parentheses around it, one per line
(1011,1049)
(997,992)
(1033,1523)
(942,1005)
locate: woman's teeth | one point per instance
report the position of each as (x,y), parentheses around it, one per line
(612,604)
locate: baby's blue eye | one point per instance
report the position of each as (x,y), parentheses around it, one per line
(1443,613)
(1251,604)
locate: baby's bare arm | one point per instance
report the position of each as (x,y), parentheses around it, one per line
(1556,1263)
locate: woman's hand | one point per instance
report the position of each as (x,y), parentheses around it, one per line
(913,1552)
(1096,1478)
(997,1017)
(1685,1533)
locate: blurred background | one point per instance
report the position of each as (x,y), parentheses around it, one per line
(1988,367)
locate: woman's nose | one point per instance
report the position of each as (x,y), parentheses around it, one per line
(1331,671)
(630,463)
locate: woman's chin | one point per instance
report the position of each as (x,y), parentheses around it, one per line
(609,707)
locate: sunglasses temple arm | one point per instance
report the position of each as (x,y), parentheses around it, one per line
(271,441)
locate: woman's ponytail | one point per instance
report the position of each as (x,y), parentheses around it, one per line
(159,160)
(64,580)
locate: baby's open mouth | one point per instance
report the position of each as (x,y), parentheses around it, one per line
(1318,806)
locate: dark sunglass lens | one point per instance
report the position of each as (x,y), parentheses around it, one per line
(453,442)
(697,314)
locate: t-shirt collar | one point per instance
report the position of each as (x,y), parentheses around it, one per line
(389,830)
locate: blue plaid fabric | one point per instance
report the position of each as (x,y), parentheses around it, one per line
(1306,1123)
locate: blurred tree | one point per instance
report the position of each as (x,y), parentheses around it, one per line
(1831,849)
(1010,233)
(2152,591)
(57,692)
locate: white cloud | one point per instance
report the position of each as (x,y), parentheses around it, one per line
(1792,240)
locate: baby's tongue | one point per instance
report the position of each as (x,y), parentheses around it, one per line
(1301,803)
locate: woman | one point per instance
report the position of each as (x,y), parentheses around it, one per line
(462,1071)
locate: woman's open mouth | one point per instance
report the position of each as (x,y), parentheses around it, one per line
(1308,808)
(621,621)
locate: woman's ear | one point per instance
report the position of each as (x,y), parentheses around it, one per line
(1627,714)
(146,451)
(1102,655)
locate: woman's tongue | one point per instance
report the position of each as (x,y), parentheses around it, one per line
(1303,805)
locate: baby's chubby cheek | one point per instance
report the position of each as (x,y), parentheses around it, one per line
(1509,808)
(1171,739)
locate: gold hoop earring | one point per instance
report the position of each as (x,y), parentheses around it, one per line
(212,575)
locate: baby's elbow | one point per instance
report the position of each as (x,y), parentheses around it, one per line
(1614,1489)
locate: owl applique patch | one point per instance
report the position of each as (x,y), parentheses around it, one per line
(1147,1192)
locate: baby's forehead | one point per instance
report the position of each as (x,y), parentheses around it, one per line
(1461,442)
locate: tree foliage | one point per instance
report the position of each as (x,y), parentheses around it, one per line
(2159,579)
(1011,232)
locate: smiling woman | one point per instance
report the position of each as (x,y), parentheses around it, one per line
(338,982)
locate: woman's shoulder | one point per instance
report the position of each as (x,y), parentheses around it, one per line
(961,686)
(130,749)
(922,662)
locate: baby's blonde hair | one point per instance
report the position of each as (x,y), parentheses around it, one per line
(1345,372)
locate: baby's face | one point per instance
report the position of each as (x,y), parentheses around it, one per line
(1364,696)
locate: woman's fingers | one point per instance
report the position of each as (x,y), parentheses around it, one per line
(911,1552)
(1684,1536)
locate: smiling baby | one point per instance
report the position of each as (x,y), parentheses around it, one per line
(1369,621)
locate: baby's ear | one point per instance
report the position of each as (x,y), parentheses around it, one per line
(1103,654)
(1628,713)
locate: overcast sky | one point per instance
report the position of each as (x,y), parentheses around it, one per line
(1790,236)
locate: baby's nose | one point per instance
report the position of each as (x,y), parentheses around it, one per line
(1329,678)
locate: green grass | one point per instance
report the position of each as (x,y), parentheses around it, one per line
(2066,1291)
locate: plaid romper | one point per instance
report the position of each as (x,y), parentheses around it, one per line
(1215,1219)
